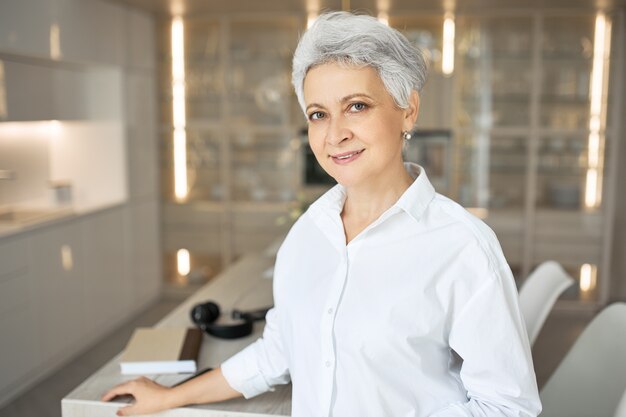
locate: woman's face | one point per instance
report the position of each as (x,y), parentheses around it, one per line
(355,127)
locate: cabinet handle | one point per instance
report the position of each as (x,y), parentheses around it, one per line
(66,258)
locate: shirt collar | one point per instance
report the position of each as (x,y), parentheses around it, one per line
(413,201)
(418,196)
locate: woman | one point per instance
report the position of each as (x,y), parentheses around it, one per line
(390,299)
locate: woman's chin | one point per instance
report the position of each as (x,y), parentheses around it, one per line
(347,179)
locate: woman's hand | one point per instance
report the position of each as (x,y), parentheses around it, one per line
(150,397)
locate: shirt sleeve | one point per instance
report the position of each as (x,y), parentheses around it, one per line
(497,370)
(261,365)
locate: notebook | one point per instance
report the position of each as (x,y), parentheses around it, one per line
(161,351)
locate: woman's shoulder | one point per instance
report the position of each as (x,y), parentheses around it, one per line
(470,227)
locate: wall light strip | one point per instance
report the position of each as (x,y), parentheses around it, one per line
(449,28)
(180,164)
(383,11)
(588,275)
(313,10)
(597,111)
(67,260)
(179,112)
(597,71)
(383,17)
(55,42)
(183,262)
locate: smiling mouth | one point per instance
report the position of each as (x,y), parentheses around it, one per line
(348,155)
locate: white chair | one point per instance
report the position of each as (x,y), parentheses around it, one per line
(591,379)
(539,293)
(621,408)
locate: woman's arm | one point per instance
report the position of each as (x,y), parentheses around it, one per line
(151,397)
(497,369)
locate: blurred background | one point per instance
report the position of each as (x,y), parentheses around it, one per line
(146,145)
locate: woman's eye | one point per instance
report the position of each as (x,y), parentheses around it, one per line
(316,115)
(358,107)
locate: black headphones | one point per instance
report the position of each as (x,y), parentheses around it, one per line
(205,315)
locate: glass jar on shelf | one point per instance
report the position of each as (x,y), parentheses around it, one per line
(566,59)
(492,170)
(204,166)
(562,171)
(265,165)
(494,63)
(258,81)
(425,32)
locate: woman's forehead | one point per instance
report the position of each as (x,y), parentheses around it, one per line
(333,81)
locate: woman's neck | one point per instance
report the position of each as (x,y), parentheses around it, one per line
(366,202)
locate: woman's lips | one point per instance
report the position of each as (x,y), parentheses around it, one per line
(346,157)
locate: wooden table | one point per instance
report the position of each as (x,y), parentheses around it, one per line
(245,285)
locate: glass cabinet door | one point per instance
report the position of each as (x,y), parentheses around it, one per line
(263,148)
(566,57)
(494,66)
(234,140)
(259,78)
(265,166)
(492,114)
(570,168)
(491,170)
(203,71)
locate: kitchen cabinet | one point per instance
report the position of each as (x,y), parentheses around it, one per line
(20,342)
(107,283)
(527,156)
(69,279)
(75,30)
(507,135)
(142,253)
(244,164)
(65,284)
(37,89)
(141,133)
(523,151)
(58,260)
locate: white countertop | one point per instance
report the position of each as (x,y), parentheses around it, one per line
(245,284)
(46,216)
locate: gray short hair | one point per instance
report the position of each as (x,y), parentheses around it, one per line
(360,40)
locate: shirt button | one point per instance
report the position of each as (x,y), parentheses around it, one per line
(330,311)
(328,364)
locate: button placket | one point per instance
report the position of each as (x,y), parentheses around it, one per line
(327,329)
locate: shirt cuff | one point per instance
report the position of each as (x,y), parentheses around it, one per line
(242,373)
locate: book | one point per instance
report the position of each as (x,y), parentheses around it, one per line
(161,351)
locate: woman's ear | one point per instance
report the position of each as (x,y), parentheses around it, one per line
(411,112)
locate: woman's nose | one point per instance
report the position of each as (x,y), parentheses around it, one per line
(338,132)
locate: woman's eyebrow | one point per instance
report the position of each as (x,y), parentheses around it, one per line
(351,96)
(314,105)
(342,100)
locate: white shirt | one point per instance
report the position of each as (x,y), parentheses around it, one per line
(416,316)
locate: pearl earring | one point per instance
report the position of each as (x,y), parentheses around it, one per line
(406,135)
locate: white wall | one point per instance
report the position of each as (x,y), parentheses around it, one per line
(24,152)
(91,156)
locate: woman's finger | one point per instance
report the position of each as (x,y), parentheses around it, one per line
(125,411)
(121,389)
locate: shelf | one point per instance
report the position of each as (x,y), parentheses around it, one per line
(564,100)
(498,56)
(248,139)
(500,98)
(569,58)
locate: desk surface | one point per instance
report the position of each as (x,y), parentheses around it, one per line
(243,285)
